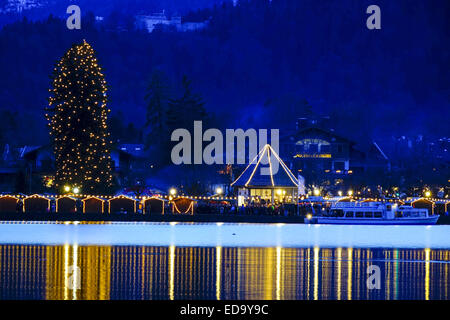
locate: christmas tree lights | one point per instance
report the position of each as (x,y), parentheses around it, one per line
(77,117)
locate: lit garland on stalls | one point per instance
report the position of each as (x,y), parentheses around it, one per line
(77,116)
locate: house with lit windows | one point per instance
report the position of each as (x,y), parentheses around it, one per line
(322,156)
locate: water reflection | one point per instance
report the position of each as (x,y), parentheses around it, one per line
(131,272)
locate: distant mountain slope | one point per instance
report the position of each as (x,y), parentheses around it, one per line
(10,10)
(256,62)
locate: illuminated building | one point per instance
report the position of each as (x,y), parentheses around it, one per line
(319,154)
(276,183)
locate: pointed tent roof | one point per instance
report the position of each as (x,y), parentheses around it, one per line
(253,177)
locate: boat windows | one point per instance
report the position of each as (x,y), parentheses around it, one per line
(368,214)
(349,214)
(399,214)
(377,214)
(337,213)
(359,214)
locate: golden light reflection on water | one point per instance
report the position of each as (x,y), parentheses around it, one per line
(339,268)
(73,272)
(218,271)
(349,273)
(427,274)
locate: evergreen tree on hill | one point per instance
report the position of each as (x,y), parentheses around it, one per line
(190,107)
(157,97)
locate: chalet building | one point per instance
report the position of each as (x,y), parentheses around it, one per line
(129,163)
(319,154)
(25,167)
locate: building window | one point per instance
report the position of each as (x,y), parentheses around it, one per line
(325,149)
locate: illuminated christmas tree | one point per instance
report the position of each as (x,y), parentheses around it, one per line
(77,116)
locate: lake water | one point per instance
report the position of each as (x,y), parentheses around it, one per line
(234,261)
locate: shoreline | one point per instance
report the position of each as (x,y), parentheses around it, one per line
(133,217)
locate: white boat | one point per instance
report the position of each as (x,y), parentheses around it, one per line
(373,213)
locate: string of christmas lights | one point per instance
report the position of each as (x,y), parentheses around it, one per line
(77,117)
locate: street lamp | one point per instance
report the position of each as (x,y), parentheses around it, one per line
(76,190)
(173,191)
(350,192)
(219,190)
(340,193)
(316,192)
(66,188)
(428,193)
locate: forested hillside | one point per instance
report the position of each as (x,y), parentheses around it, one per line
(258,56)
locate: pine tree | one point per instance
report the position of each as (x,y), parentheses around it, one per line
(78,122)
(182,112)
(157,97)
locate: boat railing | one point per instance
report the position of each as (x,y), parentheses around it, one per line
(357,204)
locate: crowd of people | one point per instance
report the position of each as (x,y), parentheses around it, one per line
(250,208)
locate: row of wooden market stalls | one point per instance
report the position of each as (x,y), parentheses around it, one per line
(161,205)
(95,205)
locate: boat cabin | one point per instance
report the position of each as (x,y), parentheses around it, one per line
(375,210)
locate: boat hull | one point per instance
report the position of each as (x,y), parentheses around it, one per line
(374,221)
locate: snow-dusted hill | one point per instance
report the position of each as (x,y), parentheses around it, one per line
(18,6)
(39,10)
(102,7)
